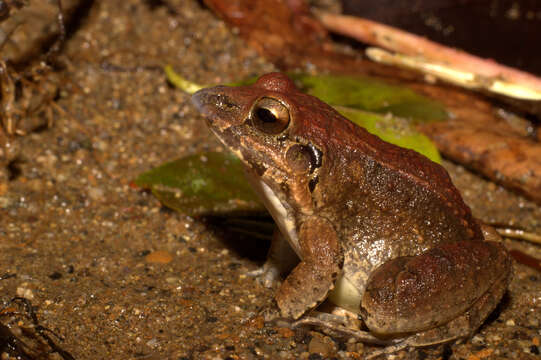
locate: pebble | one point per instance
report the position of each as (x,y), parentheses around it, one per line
(36,185)
(25,293)
(172,280)
(481,354)
(152,343)
(322,345)
(95,193)
(4,202)
(159,257)
(286,332)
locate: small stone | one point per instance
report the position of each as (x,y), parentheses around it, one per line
(510,322)
(3,187)
(25,293)
(286,332)
(101,145)
(36,185)
(4,202)
(172,280)
(152,343)
(481,354)
(95,193)
(159,257)
(258,322)
(322,345)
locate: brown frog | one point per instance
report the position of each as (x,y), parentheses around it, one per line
(379,229)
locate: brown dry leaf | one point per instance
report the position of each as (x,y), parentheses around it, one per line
(510,160)
(285,33)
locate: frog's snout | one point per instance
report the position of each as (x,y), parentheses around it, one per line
(218,107)
(214,101)
(202,101)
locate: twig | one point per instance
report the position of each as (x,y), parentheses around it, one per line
(55,49)
(441,60)
(519,234)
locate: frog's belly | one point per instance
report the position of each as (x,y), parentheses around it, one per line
(346,295)
(350,286)
(359,263)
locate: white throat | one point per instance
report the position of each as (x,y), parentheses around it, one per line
(283,219)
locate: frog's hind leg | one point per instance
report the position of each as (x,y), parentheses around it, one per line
(437,296)
(461,327)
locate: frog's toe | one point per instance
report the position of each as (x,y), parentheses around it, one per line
(272,315)
(338,326)
(268,276)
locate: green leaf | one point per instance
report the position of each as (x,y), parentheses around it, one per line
(209,183)
(180,82)
(372,95)
(392,129)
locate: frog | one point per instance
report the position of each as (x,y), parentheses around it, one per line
(378,229)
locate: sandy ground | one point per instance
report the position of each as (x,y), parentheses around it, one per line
(78,237)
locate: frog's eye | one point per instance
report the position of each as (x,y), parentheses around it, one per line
(270,116)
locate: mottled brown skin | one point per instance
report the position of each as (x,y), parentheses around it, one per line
(354,208)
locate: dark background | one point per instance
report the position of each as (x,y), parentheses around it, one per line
(505,30)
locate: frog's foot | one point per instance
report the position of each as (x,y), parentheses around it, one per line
(391,349)
(338,326)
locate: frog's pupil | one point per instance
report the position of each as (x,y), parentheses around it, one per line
(265,115)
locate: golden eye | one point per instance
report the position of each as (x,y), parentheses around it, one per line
(270,116)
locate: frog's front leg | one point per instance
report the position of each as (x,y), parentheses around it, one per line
(413,294)
(312,279)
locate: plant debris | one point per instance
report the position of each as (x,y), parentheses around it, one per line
(33,341)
